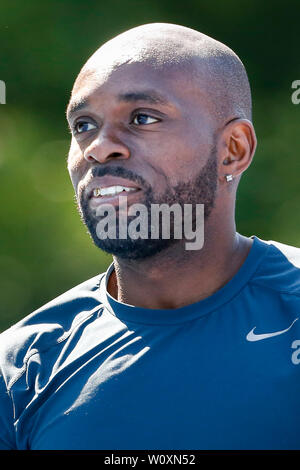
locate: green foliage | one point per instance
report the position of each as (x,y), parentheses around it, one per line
(44,246)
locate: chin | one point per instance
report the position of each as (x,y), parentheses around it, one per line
(133,249)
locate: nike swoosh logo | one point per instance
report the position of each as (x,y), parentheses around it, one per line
(251,336)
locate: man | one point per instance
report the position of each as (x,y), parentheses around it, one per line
(171,348)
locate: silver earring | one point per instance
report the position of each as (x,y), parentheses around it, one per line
(229,178)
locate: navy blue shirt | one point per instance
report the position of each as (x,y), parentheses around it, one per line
(88,372)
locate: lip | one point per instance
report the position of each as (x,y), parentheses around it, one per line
(105,182)
(95,202)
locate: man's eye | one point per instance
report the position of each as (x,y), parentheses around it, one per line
(83,126)
(142,119)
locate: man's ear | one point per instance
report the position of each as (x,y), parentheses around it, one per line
(238,144)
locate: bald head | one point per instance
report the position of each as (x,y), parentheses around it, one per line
(213,67)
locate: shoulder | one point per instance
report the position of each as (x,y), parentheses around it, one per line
(280,268)
(47,326)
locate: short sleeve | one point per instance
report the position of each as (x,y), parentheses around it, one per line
(7,431)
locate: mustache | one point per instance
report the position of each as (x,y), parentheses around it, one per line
(122,172)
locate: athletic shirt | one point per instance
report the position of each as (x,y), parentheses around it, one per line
(88,372)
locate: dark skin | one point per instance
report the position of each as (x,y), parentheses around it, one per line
(176,146)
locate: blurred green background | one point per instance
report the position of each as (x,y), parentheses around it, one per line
(44,248)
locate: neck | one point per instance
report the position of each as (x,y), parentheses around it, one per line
(178,277)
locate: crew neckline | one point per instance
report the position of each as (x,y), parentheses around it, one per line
(192,311)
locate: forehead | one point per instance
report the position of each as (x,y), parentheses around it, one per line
(170,84)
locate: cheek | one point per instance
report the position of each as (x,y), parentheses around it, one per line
(193,149)
(77,165)
(181,154)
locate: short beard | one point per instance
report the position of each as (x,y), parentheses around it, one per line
(202,190)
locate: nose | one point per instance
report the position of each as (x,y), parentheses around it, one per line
(106,147)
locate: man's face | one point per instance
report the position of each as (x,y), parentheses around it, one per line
(146,129)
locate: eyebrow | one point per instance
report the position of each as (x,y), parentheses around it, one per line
(75,106)
(149,96)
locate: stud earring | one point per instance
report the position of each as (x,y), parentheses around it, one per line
(229,178)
